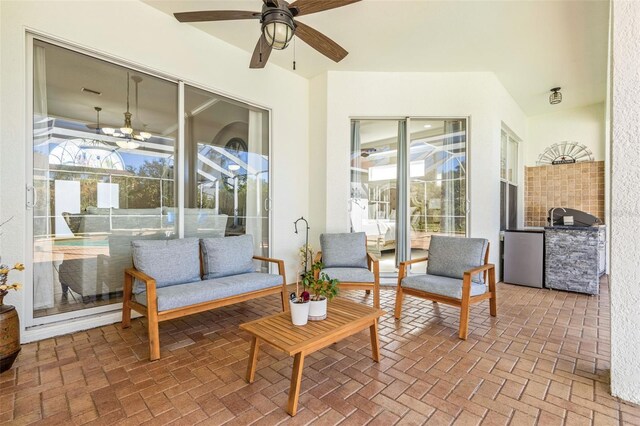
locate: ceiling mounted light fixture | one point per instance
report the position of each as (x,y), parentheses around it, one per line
(278,27)
(126,132)
(555,97)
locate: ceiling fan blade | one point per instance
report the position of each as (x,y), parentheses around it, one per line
(260,53)
(320,42)
(216,15)
(305,7)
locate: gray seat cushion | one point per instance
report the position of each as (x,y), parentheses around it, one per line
(226,256)
(178,296)
(444,286)
(452,256)
(169,262)
(350,275)
(346,250)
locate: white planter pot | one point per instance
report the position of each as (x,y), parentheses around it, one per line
(317,310)
(299,312)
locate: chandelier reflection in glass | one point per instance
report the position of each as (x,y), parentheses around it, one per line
(130,137)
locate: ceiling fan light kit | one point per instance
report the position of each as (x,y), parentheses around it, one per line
(278,26)
(126,132)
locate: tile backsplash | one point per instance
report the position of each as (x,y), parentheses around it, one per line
(578,186)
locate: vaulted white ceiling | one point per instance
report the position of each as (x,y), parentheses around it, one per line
(531,46)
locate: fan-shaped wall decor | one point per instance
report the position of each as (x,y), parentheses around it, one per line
(565,153)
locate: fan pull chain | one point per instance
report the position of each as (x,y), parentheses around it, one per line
(294,54)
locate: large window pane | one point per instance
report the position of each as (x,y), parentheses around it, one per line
(100,181)
(374,195)
(226,168)
(438,197)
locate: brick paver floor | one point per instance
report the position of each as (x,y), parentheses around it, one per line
(544,360)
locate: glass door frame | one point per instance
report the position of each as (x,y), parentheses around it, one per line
(31,35)
(403,229)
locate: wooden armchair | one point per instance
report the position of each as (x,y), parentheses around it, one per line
(345,258)
(458,274)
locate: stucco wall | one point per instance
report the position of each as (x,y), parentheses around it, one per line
(584,125)
(317,158)
(625,202)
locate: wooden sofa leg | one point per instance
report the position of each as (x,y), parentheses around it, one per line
(153,323)
(465,302)
(154,337)
(464,319)
(399,297)
(493,305)
(376,295)
(376,284)
(126,297)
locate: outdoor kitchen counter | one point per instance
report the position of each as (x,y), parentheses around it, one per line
(574,257)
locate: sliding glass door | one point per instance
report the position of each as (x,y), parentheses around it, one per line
(438,179)
(374,191)
(226,168)
(100,179)
(111,165)
(408,182)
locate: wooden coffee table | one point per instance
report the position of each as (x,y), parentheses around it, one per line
(344,318)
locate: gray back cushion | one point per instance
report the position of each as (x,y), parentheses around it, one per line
(169,262)
(226,256)
(452,256)
(347,250)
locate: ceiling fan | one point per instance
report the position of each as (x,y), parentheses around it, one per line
(279,27)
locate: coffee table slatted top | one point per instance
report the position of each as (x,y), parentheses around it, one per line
(343,317)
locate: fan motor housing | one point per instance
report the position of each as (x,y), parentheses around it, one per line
(276,14)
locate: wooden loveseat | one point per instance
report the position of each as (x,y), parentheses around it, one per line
(175,278)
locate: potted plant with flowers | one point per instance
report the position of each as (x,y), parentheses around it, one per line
(9,322)
(322,289)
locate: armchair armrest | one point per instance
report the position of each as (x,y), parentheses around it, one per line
(148,281)
(466,278)
(280,264)
(402,269)
(479,269)
(150,284)
(412,261)
(267,259)
(372,261)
